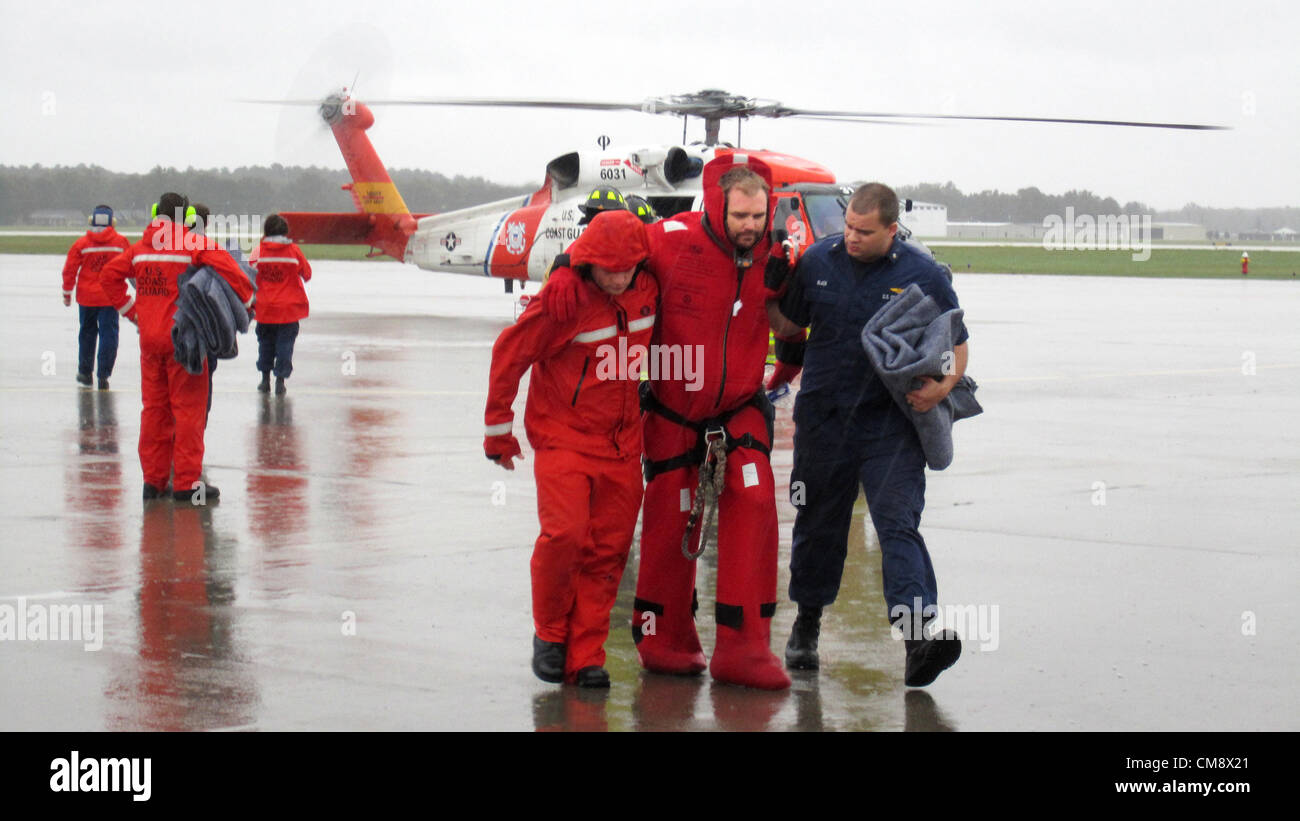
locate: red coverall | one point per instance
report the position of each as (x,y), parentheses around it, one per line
(175,401)
(711,299)
(583,421)
(86,258)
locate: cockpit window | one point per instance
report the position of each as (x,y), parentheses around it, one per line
(826,213)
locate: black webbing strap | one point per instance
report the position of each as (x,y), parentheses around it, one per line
(694,456)
(729,615)
(733,615)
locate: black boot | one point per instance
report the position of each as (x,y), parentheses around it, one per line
(103,383)
(83,379)
(927,658)
(548,660)
(593,677)
(265,385)
(279,386)
(211,493)
(801,650)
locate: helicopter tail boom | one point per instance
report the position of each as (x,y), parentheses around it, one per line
(382,219)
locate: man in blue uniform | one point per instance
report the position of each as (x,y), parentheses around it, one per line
(849,430)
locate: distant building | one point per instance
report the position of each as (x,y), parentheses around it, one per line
(926,220)
(996,230)
(58,218)
(1178,231)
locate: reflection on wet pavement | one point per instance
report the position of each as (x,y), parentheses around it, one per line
(367,568)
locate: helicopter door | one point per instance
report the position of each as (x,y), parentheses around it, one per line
(666,207)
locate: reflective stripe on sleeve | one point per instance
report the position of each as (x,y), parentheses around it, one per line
(129,304)
(185,258)
(498,430)
(278,259)
(673,225)
(105,249)
(598,334)
(642,323)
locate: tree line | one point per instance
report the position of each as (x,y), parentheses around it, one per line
(28,190)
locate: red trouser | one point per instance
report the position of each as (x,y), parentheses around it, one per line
(172,420)
(663,618)
(587,507)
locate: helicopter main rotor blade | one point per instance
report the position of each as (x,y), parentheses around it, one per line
(488,102)
(316,101)
(869,121)
(710,105)
(842,115)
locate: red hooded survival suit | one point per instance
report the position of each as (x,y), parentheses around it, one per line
(712,303)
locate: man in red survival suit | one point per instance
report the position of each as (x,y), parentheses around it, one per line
(584,423)
(175,401)
(709,266)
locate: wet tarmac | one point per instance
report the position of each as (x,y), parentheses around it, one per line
(1118,536)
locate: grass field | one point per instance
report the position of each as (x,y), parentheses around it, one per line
(1164,262)
(1211,262)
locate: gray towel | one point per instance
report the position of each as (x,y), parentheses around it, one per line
(907,339)
(208,315)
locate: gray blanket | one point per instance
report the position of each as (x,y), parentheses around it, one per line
(907,339)
(208,315)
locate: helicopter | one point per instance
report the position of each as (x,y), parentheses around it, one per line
(516,239)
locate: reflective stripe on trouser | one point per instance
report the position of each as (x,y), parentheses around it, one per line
(587,508)
(746,560)
(832,455)
(98,324)
(172,420)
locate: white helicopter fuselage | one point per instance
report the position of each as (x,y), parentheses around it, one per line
(519,237)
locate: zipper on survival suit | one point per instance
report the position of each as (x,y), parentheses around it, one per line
(581,377)
(742,263)
(726,335)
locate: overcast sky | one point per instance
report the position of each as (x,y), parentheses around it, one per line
(129,86)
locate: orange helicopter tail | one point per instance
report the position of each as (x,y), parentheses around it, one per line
(382,220)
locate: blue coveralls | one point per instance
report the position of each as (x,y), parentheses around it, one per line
(848,429)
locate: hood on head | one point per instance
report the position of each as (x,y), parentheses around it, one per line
(715,210)
(615,240)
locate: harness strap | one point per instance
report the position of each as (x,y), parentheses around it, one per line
(712,481)
(695,456)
